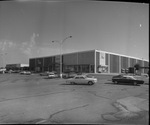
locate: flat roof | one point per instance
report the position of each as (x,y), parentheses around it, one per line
(95,50)
(121,55)
(63,54)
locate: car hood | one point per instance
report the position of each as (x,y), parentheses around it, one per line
(91,78)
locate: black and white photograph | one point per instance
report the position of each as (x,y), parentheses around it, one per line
(74,62)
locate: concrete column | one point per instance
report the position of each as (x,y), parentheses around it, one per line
(95,62)
(119,64)
(43,65)
(77,59)
(35,65)
(142,65)
(128,62)
(108,63)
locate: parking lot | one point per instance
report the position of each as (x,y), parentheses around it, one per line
(39,100)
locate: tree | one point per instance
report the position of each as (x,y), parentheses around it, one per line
(137,66)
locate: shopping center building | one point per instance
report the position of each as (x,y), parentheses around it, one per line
(17,66)
(92,61)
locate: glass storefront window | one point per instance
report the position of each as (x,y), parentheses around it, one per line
(79,68)
(76,68)
(85,68)
(68,68)
(92,69)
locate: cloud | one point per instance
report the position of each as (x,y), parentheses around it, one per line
(5,44)
(24,44)
(27,51)
(32,40)
(29,47)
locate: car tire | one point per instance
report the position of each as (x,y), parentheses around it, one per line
(90,83)
(135,83)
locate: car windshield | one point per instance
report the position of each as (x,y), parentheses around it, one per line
(89,76)
(51,74)
(86,76)
(118,76)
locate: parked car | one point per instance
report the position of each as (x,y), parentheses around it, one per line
(52,75)
(46,73)
(28,73)
(64,75)
(10,71)
(126,79)
(143,77)
(82,79)
(15,71)
(25,73)
(2,70)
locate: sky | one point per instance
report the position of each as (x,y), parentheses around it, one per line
(27,28)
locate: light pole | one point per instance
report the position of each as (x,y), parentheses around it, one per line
(61,42)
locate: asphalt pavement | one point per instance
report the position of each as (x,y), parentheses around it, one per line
(34,99)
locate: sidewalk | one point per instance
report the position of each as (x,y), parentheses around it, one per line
(134,104)
(130,108)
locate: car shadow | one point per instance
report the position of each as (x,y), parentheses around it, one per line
(54,78)
(50,78)
(74,84)
(130,84)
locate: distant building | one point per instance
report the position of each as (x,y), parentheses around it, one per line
(92,61)
(17,66)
